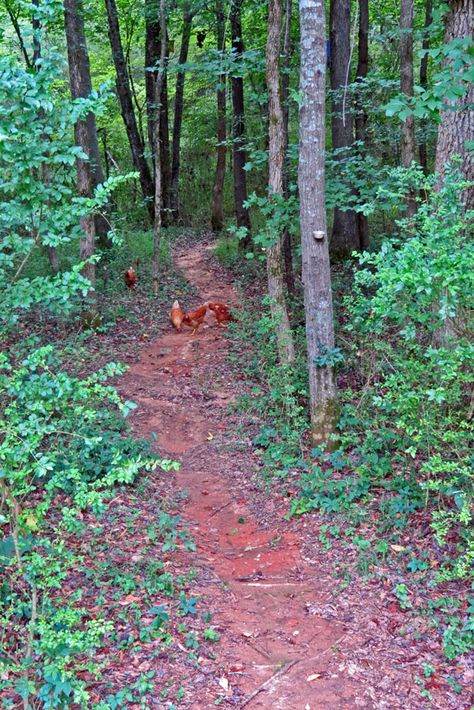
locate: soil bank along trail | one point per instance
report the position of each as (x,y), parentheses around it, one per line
(274,651)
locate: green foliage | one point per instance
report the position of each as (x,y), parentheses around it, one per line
(227,251)
(452,77)
(412,308)
(63,446)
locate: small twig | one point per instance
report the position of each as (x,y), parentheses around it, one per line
(276,675)
(286,668)
(218,510)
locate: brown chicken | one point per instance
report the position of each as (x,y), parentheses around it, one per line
(222,312)
(195,318)
(130,277)
(177,316)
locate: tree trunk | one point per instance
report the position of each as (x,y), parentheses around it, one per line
(79,82)
(361,114)
(81,87)
(178,111)
(345,235)
(456,130)
(16,26)
(165,150)
(36,65)
(152,56)
(238,123)
(276,156)
(314,242)
(158,170)
(408,153)
(285,94)
(126,105)
(84,188)
(423,153)
(217,210)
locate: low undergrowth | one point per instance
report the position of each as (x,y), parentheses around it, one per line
(404,457)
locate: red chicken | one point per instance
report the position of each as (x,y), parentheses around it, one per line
(195,318)
(130,277)
(222,312)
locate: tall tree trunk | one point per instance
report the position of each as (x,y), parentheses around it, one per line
(456,130)
(158,172)
(152,58)
(361,114)
(165,150)
(16,26)
(178,110)
(238,124)
(126,105)
(79,81)
(345,235)
(81,87)
(217,210)
(36,65)
(408,152)
(424,81)
(285,95)
(314,242)
(276,156)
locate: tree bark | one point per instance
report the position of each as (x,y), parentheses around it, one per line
(285,94)
(178,110)
(85,189)
(276,156)
(158,171)
(165,150)
(126,105)
(423,153)
(217,209)
(79,82)
(238,124)
(81,87)
(345,236)
(457,119)
(314,242)
(408,151)
(361,114)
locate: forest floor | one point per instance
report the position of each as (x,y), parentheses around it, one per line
(290,635)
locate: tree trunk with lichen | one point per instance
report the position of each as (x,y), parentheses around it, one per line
(314,240)
(276,155)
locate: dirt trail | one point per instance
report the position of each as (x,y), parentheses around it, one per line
(269,641)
